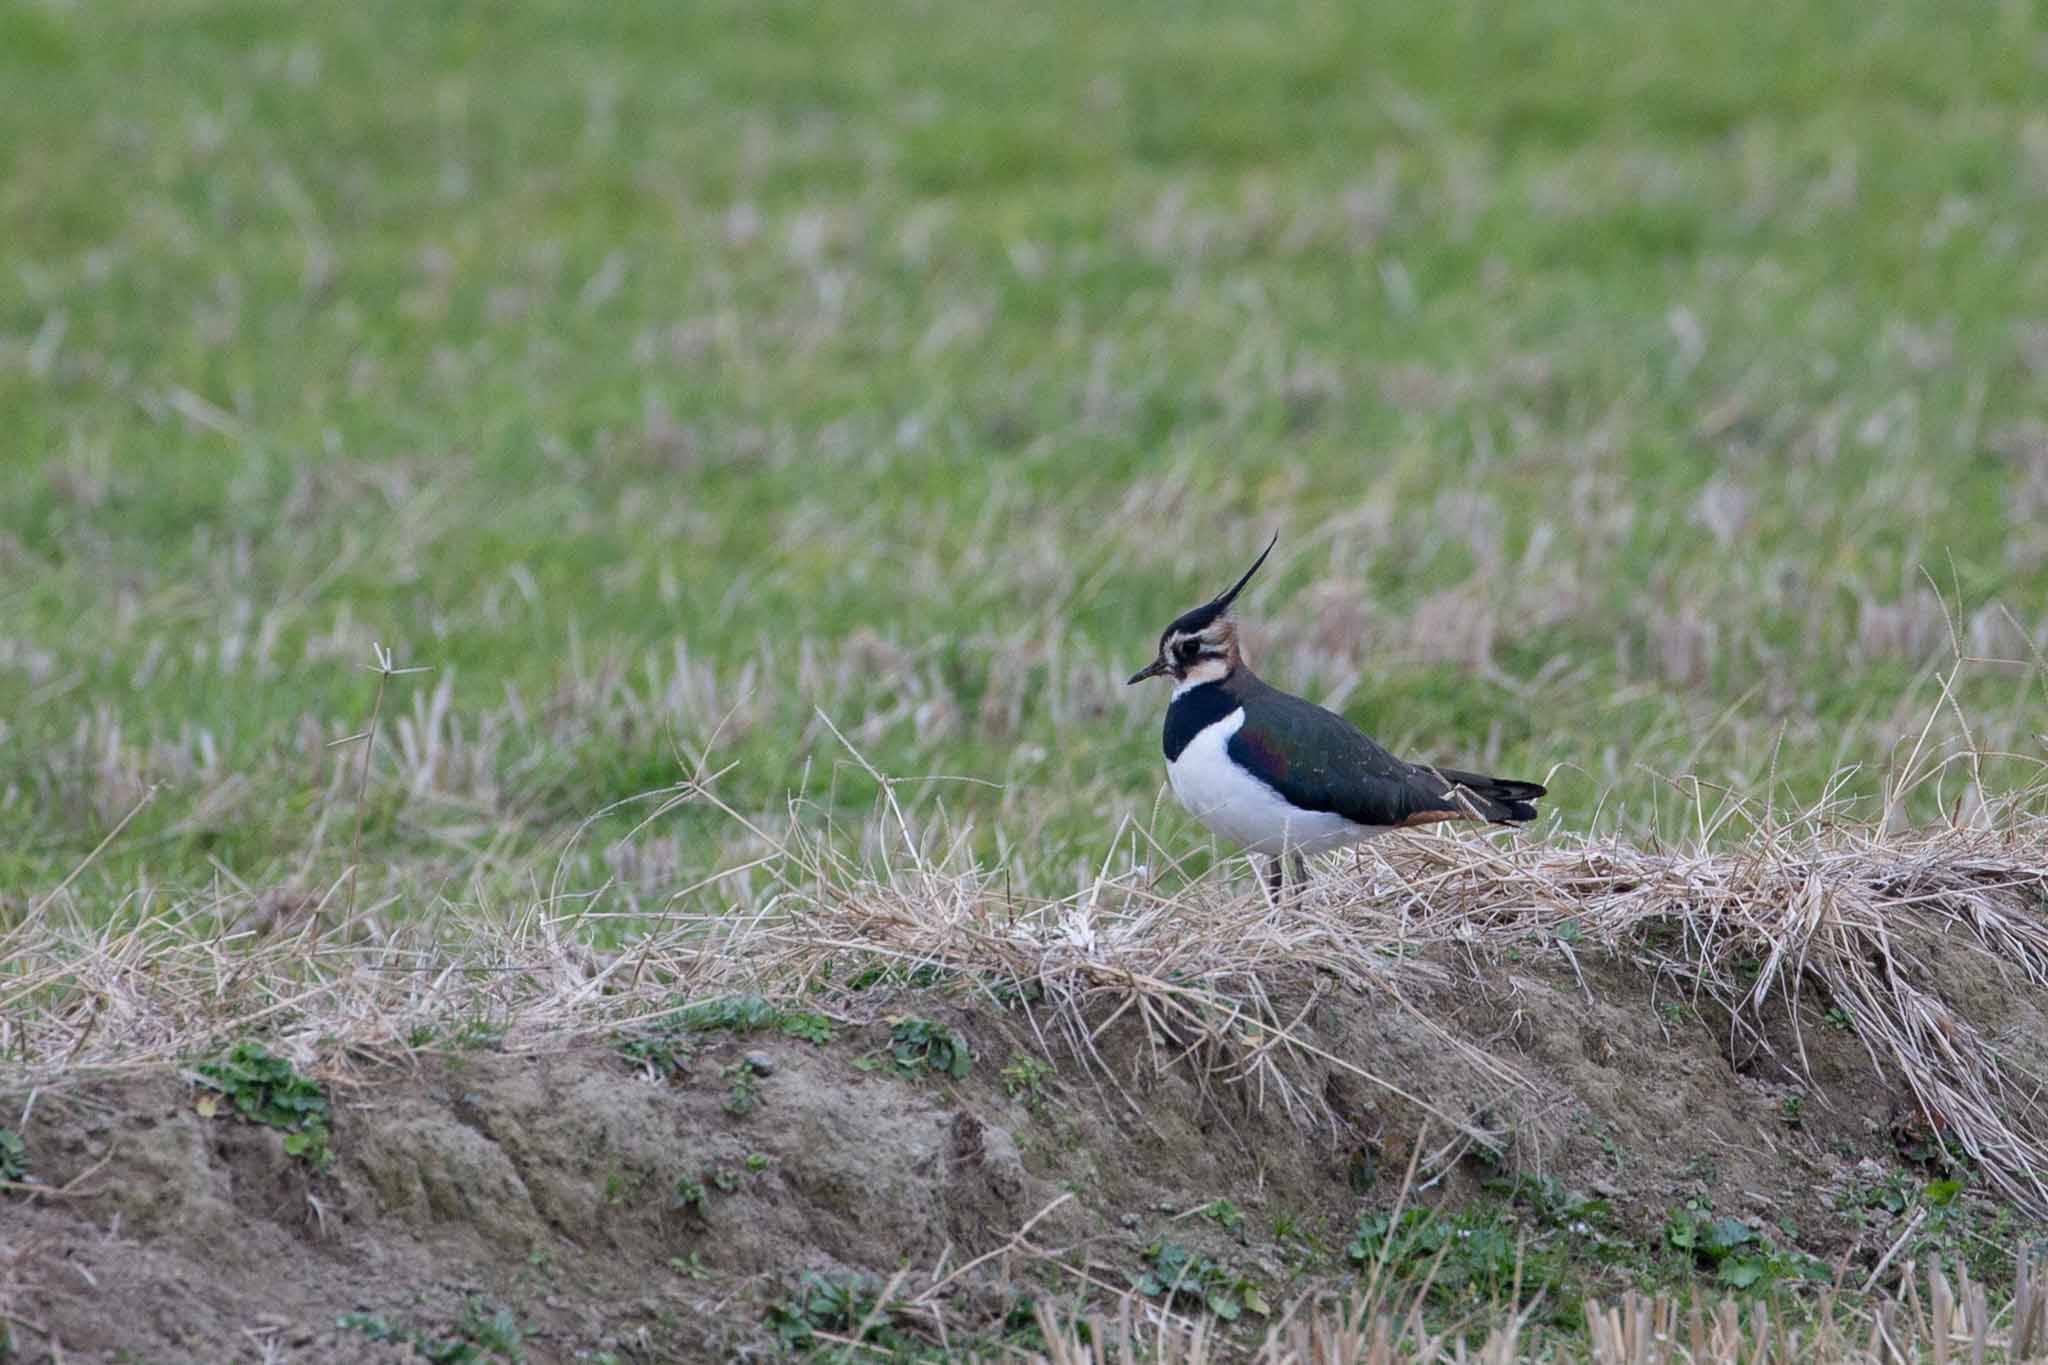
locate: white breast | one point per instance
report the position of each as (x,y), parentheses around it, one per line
(1245,810)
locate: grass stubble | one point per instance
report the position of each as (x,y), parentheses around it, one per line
(1611,376)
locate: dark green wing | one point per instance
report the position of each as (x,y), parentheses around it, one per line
(1319,761)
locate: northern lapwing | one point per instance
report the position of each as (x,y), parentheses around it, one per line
(1282,776)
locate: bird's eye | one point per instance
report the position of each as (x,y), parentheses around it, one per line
(1187,651)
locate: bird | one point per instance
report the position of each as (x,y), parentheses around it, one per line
(1283,777)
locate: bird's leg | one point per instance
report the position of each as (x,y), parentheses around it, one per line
(1299,862)
(1274,880)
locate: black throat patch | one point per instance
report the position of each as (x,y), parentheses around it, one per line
(1194,711)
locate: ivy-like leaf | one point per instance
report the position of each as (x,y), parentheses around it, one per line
(1741,1272)
(1725,1235)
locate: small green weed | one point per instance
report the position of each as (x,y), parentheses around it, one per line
(811,1028)
(477,1035)
(1300,1243)
(13,1156)
(1839,1020)
(921,1044)
(445,1351)
(1225,1215)
(1953,1229)
(1554,1203)
(743,1089)
(737,1013)
(369,1324)
(691,1195)
(1470,1252)
(497,1331)
(1181,1277)
(1288,1226)
(665,1048)
(921,977)
(1013,995)
(1894,1194)
(265,1089)
(1740,1256)
(1021,1332)
(1484,1252)
(1611,1149)
(1932,1146)
(691,1265)
(754,1014)
(620,1185)
(481,1335)
(1024,1079)
(663,1054)
(838,1306)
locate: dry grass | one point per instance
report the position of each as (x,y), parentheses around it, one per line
(1947,1320)
(1758,904)
(1749,908)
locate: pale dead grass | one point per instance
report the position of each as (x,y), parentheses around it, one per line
(1747,904)
(1939,1321)
(1751,905)
(1735,644)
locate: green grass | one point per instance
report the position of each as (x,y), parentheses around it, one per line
(661,375)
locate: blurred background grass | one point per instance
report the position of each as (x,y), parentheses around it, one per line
(1637,390)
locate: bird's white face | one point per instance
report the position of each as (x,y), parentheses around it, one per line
(1193,657)
(1201,645)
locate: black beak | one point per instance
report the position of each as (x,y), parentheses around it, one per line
(1151,670)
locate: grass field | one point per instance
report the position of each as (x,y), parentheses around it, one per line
(1637,390)
(475,477)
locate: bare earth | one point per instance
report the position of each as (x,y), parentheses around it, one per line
(474,1183)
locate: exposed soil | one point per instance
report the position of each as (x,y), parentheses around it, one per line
(546,1187)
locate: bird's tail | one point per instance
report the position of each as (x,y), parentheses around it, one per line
(1502,800)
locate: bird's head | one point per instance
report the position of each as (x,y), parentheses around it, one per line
(1201,645)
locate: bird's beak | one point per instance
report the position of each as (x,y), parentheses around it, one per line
(1151,670)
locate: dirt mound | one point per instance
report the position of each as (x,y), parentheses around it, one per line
(663,1194)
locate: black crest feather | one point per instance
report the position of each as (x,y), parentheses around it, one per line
(1204,616)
